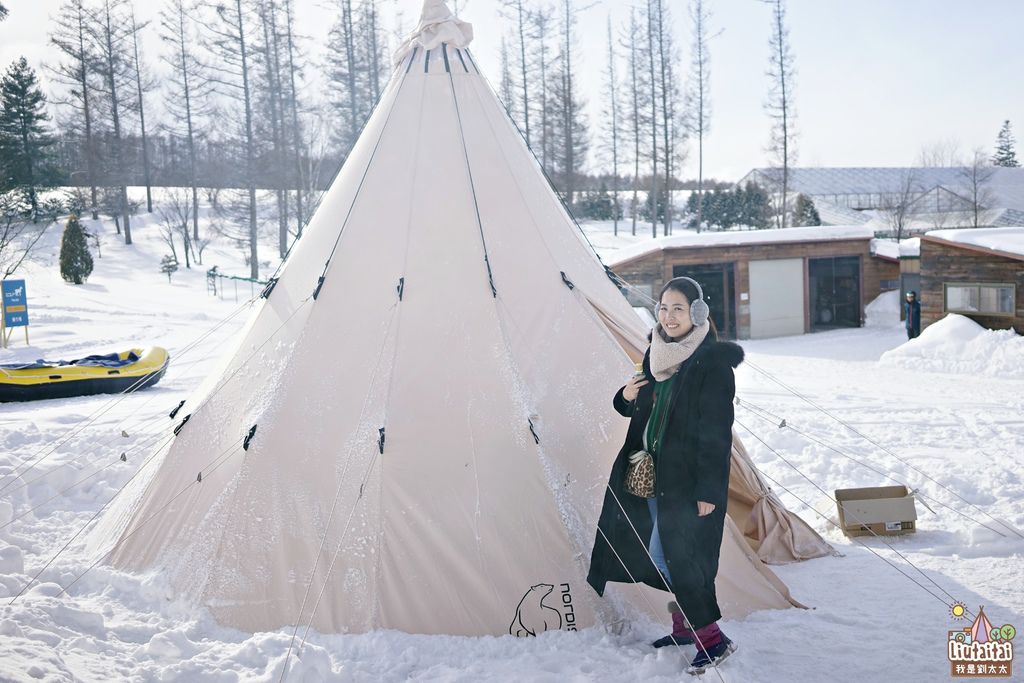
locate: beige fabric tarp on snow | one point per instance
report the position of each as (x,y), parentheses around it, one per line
(434,429)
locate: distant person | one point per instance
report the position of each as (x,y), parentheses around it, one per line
(681,415)
(912,312)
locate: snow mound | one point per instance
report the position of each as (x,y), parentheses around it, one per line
(958,345)
(884,311)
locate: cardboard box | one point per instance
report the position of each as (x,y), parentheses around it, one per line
(884,510)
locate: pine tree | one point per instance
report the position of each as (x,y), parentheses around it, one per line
(804,212)
(75,259)
(24,140)
(3,12)
(1006,153)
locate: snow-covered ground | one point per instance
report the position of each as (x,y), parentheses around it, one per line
(934,425)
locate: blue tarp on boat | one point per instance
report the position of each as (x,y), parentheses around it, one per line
(108,360)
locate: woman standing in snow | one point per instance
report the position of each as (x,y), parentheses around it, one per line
(681,412)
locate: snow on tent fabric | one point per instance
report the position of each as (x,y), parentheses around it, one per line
(444,471)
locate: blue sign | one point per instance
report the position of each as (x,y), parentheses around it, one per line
(15,303)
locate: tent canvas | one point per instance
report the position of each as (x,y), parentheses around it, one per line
(415,430)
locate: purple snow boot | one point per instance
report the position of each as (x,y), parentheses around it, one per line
(681,634)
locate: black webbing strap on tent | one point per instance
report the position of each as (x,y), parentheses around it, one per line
(458,52)
(174,413)
(472,61)
(380,440)
(444,52)
(567,281)
(178,428)
(248,438)
(401,288)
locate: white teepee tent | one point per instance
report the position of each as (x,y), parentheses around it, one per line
(416,429)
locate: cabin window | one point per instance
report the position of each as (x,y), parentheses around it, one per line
(987,299)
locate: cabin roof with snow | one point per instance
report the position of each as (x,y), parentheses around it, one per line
(1005,242)
(724,238)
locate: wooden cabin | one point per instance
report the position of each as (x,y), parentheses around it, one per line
(767,283)
(978,273)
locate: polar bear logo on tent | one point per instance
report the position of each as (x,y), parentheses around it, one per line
(533,616)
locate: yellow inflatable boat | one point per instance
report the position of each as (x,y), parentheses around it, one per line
(101,374)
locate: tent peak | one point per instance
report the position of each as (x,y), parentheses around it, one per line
(437,25)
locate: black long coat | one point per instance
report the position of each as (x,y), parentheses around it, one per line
(693,465)
(912,314)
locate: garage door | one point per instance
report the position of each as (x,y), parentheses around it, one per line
(776,298)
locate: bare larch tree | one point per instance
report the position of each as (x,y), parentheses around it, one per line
(76,72)
(142,84)
(230,29)
(779,105)
(974,180)
(700,91)
(188,89)
(112,36)
(612,122)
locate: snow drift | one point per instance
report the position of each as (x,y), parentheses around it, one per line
(958,345)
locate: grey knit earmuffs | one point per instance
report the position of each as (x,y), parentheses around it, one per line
(699,311)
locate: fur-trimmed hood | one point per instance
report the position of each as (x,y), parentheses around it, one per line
(724,352)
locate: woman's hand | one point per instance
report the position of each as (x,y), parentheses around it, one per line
(632,388)
(704,509)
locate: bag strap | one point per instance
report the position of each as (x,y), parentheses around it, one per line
(664,419)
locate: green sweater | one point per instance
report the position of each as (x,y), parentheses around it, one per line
(658,419)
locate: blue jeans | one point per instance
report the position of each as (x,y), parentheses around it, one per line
(654,547)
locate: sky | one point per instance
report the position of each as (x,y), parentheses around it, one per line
(877,80)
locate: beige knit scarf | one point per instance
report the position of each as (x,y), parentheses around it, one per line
(668,354)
